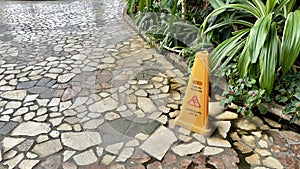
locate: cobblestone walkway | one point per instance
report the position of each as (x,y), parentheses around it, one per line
(80,89)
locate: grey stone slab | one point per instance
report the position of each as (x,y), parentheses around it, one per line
(8,127)
(38,89)
(26,85)
(43,81)
(48,94)
(51,83)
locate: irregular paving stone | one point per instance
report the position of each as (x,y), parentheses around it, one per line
(10,142)
(26,85)
(25,164)
(65,77)
(249,140)
(169,159)
(185,149)
(242,147)
(14,95)
(279,140)
(31,129)
(26,145)
(146,105)
(223,128)
(139,157)
(52,162)
(246,124)
(272,162)
(69,166)
(185,163)
(277,148)
(227,115)
(104,105)
(263,152)
(85,158)
(154,165)
(208,151)
(295,148)
(156,145)
(13,105)
(215,161)
(272,123)
(68,154)
(291,135)
(47,148)
(12,163)
(80,140)
(125,154)
(253,159)
(218,142)
(288,161)
(114,148)
(8,127)
(107,159)
(93,124)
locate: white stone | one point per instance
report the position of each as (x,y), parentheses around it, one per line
(125,154)
(81,140)
(54,102)
(31,155)
(64,105)
(26,164)
(111,116)
(85,158)
(12,163)
(14,95)
(10,142)
(99,151)
(30,98)
(93,124)
(107,159)
(218,142)
(227,115)
(146,105)
(141,93)
(79,57)
(47,148)
(114,148)
(104,105)
(5,118)
(64,127)
(54,134)
(65,77)
(9,111)
(272,163)
(223,128)
(68,154)
(79,101)
(185,149)
(41,111)
(208,151)
(56,121)
(133,143)
(13,105)
(31,129)
(42,102)
(157,144)
(141,136)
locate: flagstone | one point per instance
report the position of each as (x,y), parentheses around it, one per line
(31,128)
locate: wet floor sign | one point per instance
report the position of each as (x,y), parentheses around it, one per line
(194,111)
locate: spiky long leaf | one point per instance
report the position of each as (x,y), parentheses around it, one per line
(290,46)
(222,50)
(270,5)
(260,6)
(225,23)
(268,60)
(258,35)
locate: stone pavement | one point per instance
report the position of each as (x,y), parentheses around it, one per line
(80,89)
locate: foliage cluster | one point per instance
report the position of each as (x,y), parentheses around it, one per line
(257,44)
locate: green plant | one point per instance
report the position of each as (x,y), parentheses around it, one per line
(244,92)
(288,88)
(264,40)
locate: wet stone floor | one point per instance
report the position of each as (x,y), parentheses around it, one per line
(79,88)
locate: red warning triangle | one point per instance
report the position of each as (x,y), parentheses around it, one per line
(194,102)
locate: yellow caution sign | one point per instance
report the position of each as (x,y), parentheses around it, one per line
(194,112)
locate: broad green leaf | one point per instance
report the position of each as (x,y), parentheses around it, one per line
(258,35)
(244,60)
(290,46)
(222,50)
(131,4)
(268,60)
(279,7)
(225,23)
(247,8)
(141,5)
